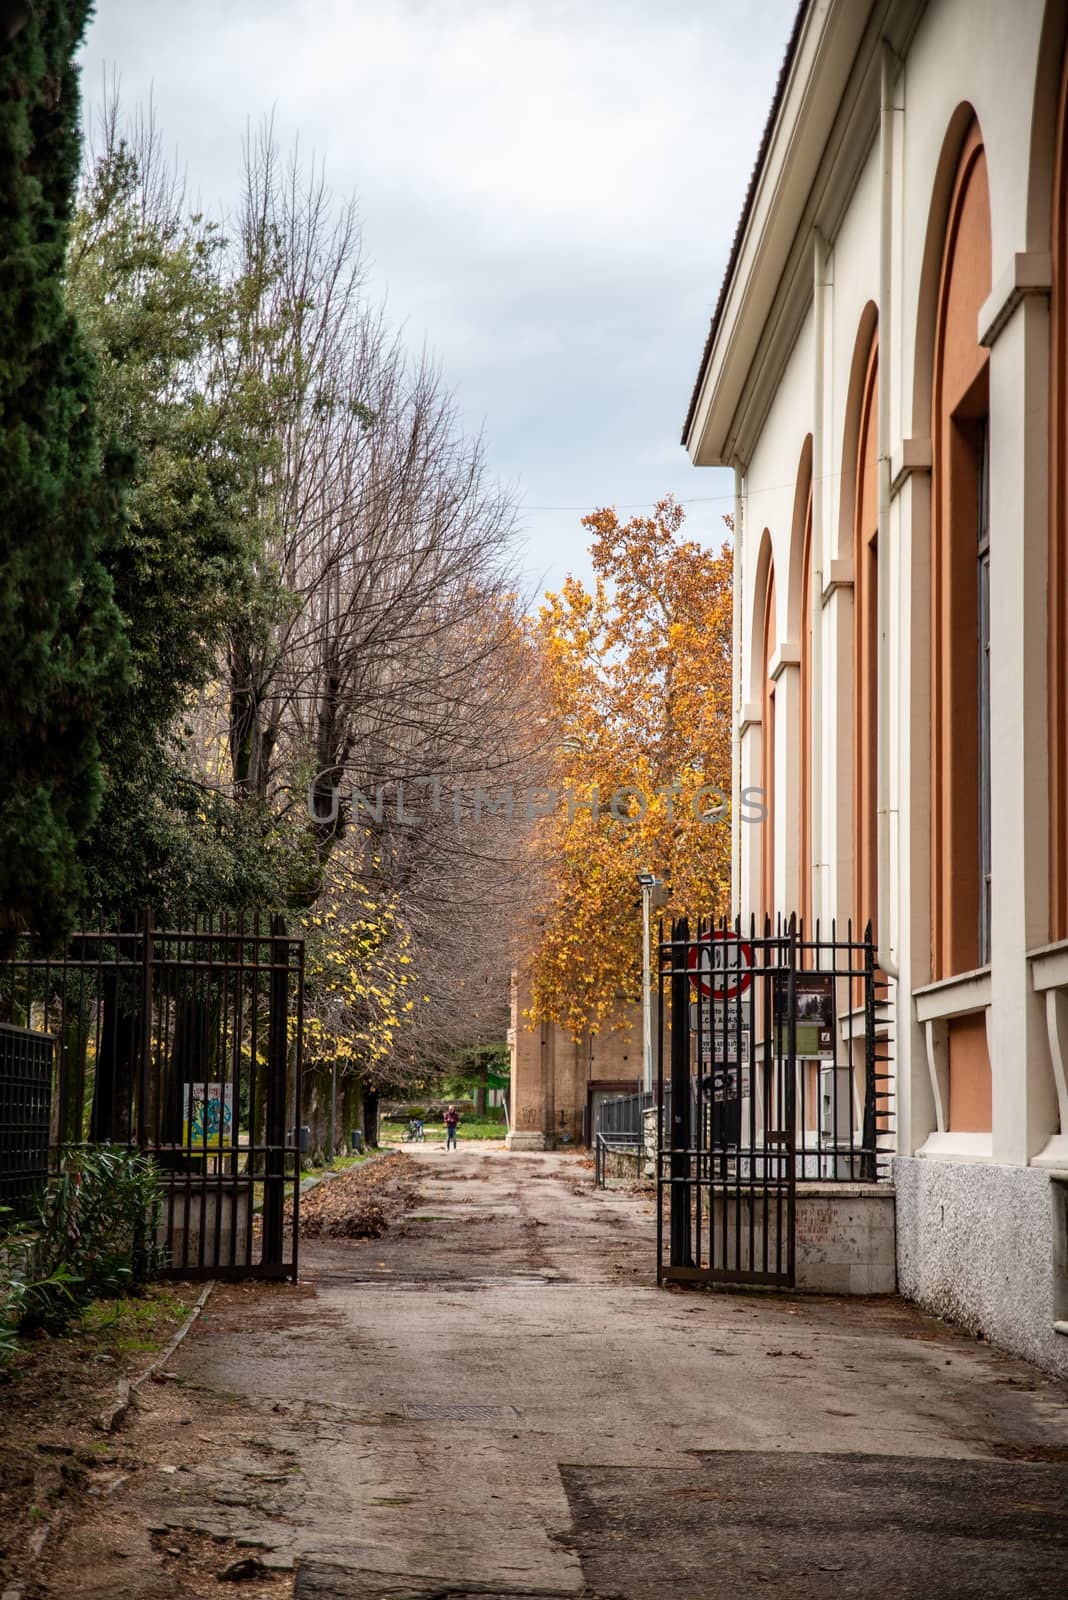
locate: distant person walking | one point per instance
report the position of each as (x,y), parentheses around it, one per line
(452,1118)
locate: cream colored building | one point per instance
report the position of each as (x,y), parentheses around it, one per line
(887,373)
(557,1082)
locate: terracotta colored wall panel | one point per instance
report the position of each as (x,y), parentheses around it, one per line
(959,401)
(767,746)
(969,1075)
(866,652)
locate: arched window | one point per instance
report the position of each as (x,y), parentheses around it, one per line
(960,728)
(1058,549)
(866,649)
(767,748)
(960,637)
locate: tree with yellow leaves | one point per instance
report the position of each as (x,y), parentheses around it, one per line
(360,988)
(638,678)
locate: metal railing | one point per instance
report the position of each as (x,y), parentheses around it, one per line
(185,1044)
(25,1109)
(620,1131)
(626,1145)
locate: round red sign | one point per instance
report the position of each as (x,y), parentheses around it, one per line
(721,965)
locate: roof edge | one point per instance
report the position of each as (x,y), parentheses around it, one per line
(747,209)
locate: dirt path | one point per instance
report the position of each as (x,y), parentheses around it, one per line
(493,1398)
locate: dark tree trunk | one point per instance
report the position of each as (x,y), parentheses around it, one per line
(351,1111)
(370,1118)
(191,1061)
(117,1058)
(67,1111)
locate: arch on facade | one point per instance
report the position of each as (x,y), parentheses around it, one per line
(1046,109)
(858,371)
(757,620)
(959,747)
(795,596)
(959,408)
(865,663)
(943,190)
(801,607)
(765,639)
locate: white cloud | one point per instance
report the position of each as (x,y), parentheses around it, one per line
(548,191)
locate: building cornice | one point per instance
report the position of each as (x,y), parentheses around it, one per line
(826,121)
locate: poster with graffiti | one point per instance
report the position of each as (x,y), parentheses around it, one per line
(209,1115)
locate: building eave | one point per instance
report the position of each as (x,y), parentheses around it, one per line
(823,121)
(747,209)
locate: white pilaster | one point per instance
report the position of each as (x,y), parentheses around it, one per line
(1024,1100)
(785,669)
(750,760)
(837,621)
(916,1111)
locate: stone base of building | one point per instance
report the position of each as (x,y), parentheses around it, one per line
(844,1238)
(987,1247)
(525,1141)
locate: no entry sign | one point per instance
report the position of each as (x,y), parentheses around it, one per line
(721,965)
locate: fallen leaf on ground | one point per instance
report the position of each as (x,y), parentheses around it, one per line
(361,1203)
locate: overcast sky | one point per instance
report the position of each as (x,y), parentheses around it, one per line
(548,190)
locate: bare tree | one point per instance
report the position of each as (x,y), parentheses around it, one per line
(386,650)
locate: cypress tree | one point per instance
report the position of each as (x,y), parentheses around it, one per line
(62,651)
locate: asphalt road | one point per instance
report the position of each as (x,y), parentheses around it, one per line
(494,1399)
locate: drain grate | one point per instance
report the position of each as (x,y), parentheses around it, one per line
(426,1412)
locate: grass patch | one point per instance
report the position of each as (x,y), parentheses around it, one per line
(132,1319)
(434,1132)
(339,1164)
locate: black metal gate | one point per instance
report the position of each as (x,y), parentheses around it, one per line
(185,1044)
(25,1095)
(769,1046)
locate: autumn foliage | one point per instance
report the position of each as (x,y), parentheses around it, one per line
(638,679)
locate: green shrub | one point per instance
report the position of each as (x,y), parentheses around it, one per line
(100,1218)
(93,1237)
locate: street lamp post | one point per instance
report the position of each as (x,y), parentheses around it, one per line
(653,893)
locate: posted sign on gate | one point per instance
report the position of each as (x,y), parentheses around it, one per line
(720,965)
(723,1036)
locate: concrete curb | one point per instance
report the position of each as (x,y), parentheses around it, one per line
(113,1418)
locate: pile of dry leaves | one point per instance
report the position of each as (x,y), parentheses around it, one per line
(362,1202)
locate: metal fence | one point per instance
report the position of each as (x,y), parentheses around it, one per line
(25,1104)
(184,1044)
(773,1069)
(622,1116)
(620,1132)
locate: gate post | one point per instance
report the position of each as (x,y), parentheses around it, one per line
(146,1088)
(867,1137)
(275,1130)
(681,1232)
